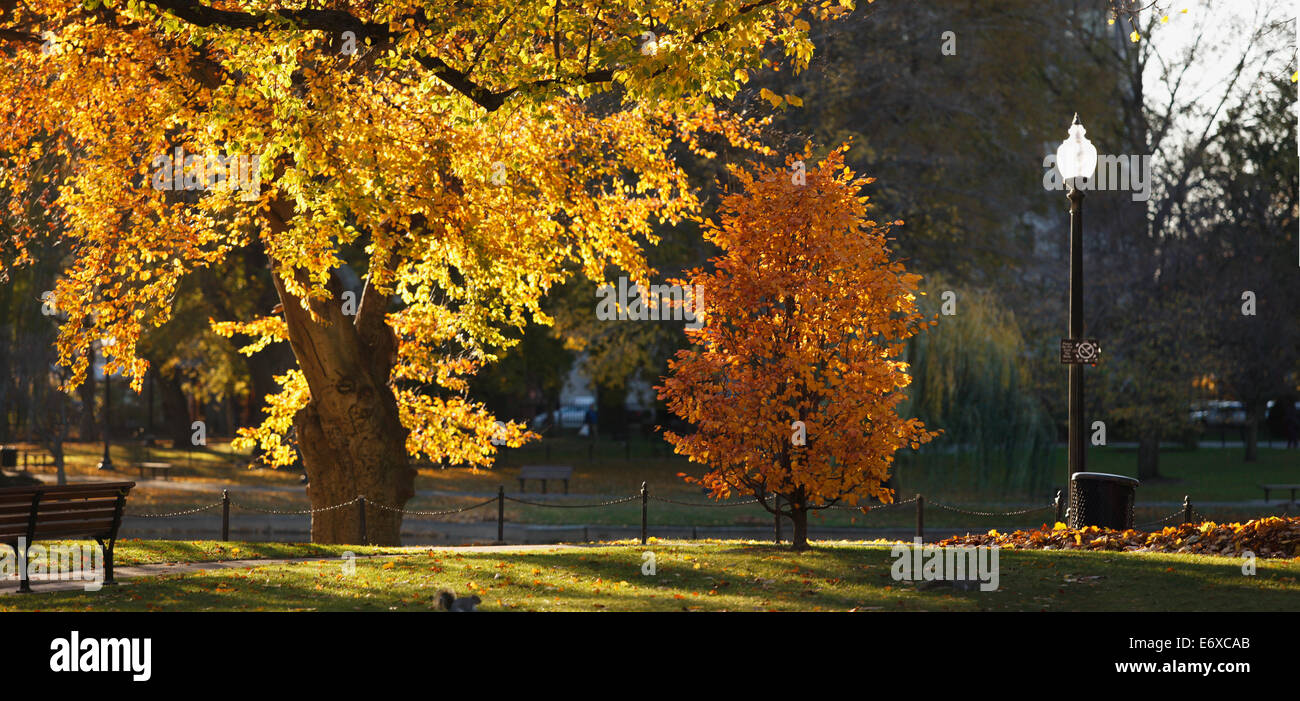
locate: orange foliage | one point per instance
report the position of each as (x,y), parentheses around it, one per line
(805,318)
(1266,537)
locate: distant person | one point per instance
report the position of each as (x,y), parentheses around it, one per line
(589,422)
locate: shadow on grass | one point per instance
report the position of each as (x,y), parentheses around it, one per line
(707,577)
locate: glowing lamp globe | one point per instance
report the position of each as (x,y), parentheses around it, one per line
(1076,157)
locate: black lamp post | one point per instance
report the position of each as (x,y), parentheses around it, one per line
(1076,159)
(107,462)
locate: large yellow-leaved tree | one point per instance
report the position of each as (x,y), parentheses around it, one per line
(466,153)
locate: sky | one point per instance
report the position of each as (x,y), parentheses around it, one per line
(1226,28)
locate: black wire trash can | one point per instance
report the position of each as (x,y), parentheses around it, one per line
(1101,499)
(8,456)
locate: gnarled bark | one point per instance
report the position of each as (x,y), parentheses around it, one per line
(350,433)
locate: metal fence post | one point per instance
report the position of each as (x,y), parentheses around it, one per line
(1187,508)
(501,513)
(920,517)
(361,514)
(225,514)
(645,499)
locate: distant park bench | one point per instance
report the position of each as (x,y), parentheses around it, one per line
(49,512)
(1279,487)
(155,469)
(37,458)
(543,473)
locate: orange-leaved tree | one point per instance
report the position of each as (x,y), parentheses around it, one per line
(793,379)
(457,158)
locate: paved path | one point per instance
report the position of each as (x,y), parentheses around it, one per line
(215,488)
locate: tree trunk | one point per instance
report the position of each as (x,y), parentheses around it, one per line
(349,451)
(799,539)
(61,473)
(350,433)
(611,409)
(1250,433)
(1254,416)
(58,434)
(176,414)
(1148,456)
(87,390)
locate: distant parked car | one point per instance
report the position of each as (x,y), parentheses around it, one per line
(568,416)
(1225,413)
(1217,412)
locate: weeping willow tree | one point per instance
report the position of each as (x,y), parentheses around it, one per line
(968,379)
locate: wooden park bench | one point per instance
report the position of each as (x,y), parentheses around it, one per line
(543,473)
(1280,487)
(48,512)
(37,457)
(155,469)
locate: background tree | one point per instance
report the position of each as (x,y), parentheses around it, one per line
(968,376)
(805,320)
(1248,249)
(1147,298)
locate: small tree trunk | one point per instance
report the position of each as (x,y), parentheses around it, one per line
(1251,435)
(88,394)
(799,539)
(176,414)
(1254,417)
(58,434)
(1149,456)
(61,475)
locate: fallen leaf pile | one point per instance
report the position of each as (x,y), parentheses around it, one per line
(1265,537)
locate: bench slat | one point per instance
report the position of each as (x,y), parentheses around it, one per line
(69,490)
(48,503)
(53,506)
(545,472)
(48,494)
(98,528)
(61,516)
(7,515)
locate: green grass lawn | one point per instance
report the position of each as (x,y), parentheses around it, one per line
(140,552)
(710,576)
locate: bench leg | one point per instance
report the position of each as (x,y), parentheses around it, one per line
(24,584)
(543,486)
(566,486)
(1266,496)
(521,485)
(108,562)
